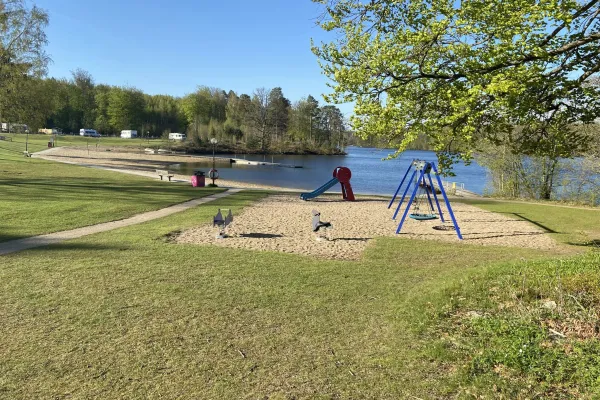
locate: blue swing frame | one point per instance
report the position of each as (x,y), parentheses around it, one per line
(424,169)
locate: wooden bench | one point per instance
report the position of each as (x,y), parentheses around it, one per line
(162,172)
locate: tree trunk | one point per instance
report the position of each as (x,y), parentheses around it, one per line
(548,178)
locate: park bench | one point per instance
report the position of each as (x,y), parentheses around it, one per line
(6,138)
(166,173)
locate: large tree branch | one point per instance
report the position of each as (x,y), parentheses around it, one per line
(575,44)
(567,65)
(589,73)
(562,26)
(26,27)
(590,21)
(492,68)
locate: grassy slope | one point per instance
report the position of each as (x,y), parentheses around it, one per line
(570,225)
(38,197)
(524,331)
(528,330)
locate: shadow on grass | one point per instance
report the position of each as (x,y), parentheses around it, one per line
(594,243)
(82,246)
(516,214)
(545,228)
(4,237)
(48,189)
(493,235)
(57,247)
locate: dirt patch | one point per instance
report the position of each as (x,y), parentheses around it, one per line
(283,223)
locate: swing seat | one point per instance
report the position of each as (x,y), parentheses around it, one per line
(423,217)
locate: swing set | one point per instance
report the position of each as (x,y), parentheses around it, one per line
(421,197)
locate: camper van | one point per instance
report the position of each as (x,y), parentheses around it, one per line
(89,133)
(128,134)
(177,136)
(14,128)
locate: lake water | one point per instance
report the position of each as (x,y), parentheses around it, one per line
(370,174)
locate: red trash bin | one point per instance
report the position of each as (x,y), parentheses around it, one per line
(198,180)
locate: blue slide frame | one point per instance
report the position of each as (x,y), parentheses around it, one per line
(320,191)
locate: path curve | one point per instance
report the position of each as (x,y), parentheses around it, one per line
(14,246)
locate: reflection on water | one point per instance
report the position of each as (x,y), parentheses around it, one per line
(370,174)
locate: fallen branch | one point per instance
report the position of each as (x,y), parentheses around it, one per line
(557,333)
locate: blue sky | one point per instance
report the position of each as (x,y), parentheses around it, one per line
(171,47)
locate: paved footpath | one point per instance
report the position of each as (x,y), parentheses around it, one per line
(52,238)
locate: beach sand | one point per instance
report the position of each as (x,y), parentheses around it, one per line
(283,223)
(139,163)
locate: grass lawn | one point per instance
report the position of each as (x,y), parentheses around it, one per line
(38,196)
(40,142)
(129,314)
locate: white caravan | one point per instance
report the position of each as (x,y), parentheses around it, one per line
(177,136)
(127,134)
(89,133)
(14,128)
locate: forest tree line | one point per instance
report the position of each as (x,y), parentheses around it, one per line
(261,121)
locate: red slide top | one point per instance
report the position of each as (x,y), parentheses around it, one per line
(343,175)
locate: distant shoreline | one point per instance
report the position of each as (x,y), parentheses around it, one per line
(242,150)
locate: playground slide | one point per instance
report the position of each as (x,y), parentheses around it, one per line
(320,191)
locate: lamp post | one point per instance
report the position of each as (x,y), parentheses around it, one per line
(213,172)
(214,142)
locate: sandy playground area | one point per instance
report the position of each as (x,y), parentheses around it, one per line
(283,223)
